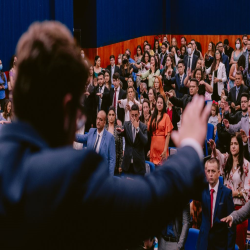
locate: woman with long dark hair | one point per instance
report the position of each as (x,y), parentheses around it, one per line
(152,96)
(138,55)
(209,55)
(7,113)
(145,116)
(125,71)
(159,128)
(107,78)
(111,127)
(97,66)
(157,48)
(152,72)
(235,170)
(219,75)
(168,73)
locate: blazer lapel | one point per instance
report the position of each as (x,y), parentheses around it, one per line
(92,144)
(130,131)
(234,94)
(103,139)
(218,198)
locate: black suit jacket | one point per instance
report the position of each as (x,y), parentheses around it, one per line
(134,149)
(233,118)
(122,95)
(197,53)
(181,102)
(61,198)
(105,99)
(232,95)
(195,58)
(117,69)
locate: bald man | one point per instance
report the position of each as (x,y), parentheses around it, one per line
(100,140)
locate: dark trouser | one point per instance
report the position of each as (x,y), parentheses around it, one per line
(2,103)
(131,171)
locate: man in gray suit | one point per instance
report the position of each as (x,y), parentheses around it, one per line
(238,216)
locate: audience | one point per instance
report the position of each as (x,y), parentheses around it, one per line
(144,100)
(3,86)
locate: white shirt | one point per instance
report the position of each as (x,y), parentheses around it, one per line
(191,60)
(112,72)
(214,195)
(123,105)
(117,96)
(99,142)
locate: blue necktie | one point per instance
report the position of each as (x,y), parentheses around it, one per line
(96,142)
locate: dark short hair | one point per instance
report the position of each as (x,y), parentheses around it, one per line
(239,73)
(101,74)
(165,44)
(181,61)
(116,76)
(128,51)
(226,42)
(135,107)
(183,37)
(112,56)
(194,80)
(147,45)
(244,94)
(245,35)
(213,160)
(190,43)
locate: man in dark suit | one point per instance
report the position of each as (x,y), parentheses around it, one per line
(55,197)
(234,96)
(217,202)
(195,51)
(163,54)
(178,80)
(136,137)
(235,118)
(190,59)
(101,95)
(112,67)
(187,98)
(225,58)
(115,94)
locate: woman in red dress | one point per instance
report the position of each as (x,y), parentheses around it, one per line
(159,128)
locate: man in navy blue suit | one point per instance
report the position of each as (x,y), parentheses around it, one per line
(178,80)
(217,203)
(55,197)
(101,141)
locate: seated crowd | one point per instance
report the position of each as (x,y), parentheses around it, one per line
(131,109)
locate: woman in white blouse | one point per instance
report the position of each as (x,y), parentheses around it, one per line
(219,76)
(126,104)
(235,170)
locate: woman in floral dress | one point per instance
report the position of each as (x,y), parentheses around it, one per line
(235,170)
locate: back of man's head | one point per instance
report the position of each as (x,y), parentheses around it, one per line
(50,68)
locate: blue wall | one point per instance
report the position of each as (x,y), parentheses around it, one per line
(16,16)
(111,21)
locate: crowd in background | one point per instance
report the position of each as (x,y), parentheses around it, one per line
(140,100)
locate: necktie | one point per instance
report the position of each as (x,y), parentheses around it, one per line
(96,143)
(212,201)
(189,62)
(99,104)
(237,92)
(181,80)
(162,57)
(133,131)
(114,101)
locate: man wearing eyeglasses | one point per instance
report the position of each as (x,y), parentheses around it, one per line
(187,98)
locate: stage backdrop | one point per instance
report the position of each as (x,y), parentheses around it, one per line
(16,16)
